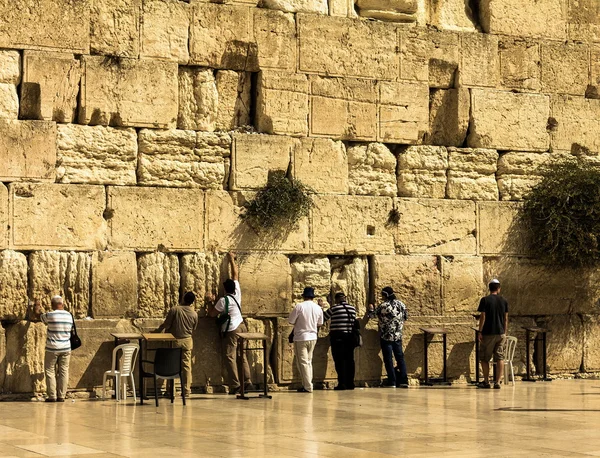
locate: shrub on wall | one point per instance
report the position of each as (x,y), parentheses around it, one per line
(562,214)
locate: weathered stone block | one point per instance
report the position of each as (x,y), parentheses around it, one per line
(27,150)
(9,101)
(115,27)
(61,24)
(565,343)
(416,280)
(394,11)
(509,121)
(403,112)
(462,284)
(254,156)
(422,172)
(436,226)
(448,117)
(371,170)
(13,285)
(313,155)
(454,15)
(591,345)
(577,121)
(584,20)
(221,37)
(10,67)
(531,18)
(472,174)
(207,359)
(311,271)
(198,99)
(565,68)
(479,64)
(351,276)
(342,8)
(342,224)
(282,104)
(50,86)
(158,284)
(346,47)
(498,230)
(594,89)
(234,99)
(24,362)
(4,214)
(165,30)
(296,6)
(275,35)
(96,155)
(114,284)
(128,92)
(520,64)
(64,273)
(518,173)
(145,218)
(200,273)
(183,158)
(57,216)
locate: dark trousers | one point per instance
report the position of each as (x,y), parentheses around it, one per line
(342,350)
(391,349)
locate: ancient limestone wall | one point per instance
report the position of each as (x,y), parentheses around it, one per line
(133,132)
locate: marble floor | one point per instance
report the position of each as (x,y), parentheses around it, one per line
(556,419)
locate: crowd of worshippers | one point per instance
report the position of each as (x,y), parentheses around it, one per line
(306,318)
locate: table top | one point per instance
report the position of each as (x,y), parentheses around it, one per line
(535,329)
(434,330)
(475,328)
(126,335)
(159,337)
(252,336)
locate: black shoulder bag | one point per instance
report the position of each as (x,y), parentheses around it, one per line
(74,339)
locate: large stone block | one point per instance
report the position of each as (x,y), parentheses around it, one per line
(565,68)
(27,150)
(275,35)
(165,30)
(422,172)
(114,284)
(296,6)
(234,89)
(200,273)
(158,284)
(344,108)
(594,72)
(350,224)
(4,216)
(479,64)
(24,361)
(416,280)
(69,217)
(64,273)
(509,121)
(254,156)
(584,20)
(115,27)
(282,104)
(565,343)
(10,67)
(577,121)
(96,155)
(454,15)
(128,92)
(221,37)
(371,170)
(498,230)
(50,86)
(61,24)
(207,356)
(226,229)
(313,155)
(146,218)
(351,276)
(449,111)
(183,158)
(462,284)
(472,174)
(591,344)
(346,47)
(403,112)
(13,285)
(198,99)
(520,64)
(519,172)
(436,226)
(311,271)
(9,101)
(529,18)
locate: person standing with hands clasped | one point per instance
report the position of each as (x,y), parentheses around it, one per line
(493,324)
(392,314)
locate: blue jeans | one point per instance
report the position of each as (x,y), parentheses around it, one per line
(389,348)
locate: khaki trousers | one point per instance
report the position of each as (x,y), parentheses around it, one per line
(230,341)
(187,345)
(304,354)
(51,360)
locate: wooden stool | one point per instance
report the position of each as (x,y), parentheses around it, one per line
(426,333)
(537,330)
(242,338)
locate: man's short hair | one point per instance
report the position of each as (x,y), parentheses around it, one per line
(494,286)
(229,285)
(56,300)
(340,296)
(189,298)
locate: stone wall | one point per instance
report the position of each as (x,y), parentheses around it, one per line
(133,133)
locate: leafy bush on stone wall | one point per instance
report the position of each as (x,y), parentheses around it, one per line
(562,214)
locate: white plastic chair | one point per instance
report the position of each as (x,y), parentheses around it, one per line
(125,371)
(509,353)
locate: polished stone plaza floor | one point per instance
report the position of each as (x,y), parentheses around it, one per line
(561,418)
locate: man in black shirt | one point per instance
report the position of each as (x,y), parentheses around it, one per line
(493,324)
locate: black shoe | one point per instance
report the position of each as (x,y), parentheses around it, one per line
(50,400)
(402,385)
(485,385)
(60,400)
(340,388)
(496,386)
(234,390)
(303,390)
(249,387)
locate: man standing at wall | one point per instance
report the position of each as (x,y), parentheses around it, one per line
(181,321)
(306,317)
(58,348)
(493,324)
(232,303)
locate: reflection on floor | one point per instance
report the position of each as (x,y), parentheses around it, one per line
(558,419)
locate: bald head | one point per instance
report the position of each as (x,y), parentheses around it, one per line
(57,303)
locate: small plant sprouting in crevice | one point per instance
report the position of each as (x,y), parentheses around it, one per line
(112,61)
(393,218)
(279,205)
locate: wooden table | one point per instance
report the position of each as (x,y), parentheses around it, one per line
(151,337)
(432,332)
(243,337)
(537,330)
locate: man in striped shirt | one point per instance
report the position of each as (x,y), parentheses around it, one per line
(58,348)
(342,317)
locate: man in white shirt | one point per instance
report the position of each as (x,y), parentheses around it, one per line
(232,303)
(306,317)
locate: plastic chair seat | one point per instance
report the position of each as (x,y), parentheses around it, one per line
(511,345)
(125,371)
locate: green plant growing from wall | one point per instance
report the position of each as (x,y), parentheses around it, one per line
(562,215)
